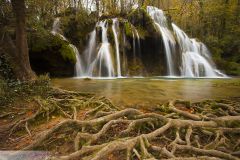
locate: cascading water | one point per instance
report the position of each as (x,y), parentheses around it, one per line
(115,27)
(56,31)
(195,57)
(56,28)
(97,59)
(139,43)
(89,56)
(136,48)
(100,65)
(168,39)
(136,35)
(185,57)
(78,65)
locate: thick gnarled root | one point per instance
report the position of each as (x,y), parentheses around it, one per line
(182,132)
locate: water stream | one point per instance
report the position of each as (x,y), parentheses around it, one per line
(167,36)
(115,28)
(184,56)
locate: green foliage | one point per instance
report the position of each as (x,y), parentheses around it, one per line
(6,72)
(11,91)
(3,87)
(142,32)
(231,68)
(68,53)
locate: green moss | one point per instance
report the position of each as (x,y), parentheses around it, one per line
(143,22)
(110,22)
(128,29)
(43,42)
(68,53)
(142,32)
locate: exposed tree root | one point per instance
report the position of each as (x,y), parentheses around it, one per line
(65,103)
(131,134)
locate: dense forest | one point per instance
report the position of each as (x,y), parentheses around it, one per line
(120,79)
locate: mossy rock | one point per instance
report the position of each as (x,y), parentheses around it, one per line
(143,22)
(128,29)
(76,27)
(68,53)
(51,54)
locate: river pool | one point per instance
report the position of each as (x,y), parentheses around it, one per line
(150,91)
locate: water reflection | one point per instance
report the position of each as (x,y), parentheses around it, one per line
(148,91)
(194,90)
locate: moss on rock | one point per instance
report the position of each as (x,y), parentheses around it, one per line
(68,53)
(143,22)
(128,29)
(51,54)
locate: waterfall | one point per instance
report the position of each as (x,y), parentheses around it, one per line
(196,59)
(115,26)
(139,43)
(168,39)
(56,31)
(136,48)
(78,65)
(185,57)
(136,35)
(102,62)
(104,55)
(89,55)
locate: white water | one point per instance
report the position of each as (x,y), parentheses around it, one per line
(167,36)
(56,31)
(78,65)
(97,60)
(103,61)
(89,56)
(115,28)
(136,35)
(196,59)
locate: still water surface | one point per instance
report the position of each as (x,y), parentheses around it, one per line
(149,91)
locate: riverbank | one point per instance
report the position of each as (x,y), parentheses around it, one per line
(73,125)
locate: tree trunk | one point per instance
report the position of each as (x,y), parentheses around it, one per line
(22,66)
